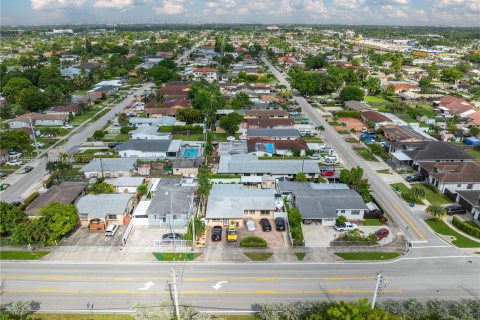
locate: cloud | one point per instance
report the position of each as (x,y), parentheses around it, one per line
(171,7)
(55,4)
(468,5)
(118,4)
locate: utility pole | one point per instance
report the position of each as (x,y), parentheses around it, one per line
(194,238)
(34,136)
(379,286)
(173,284)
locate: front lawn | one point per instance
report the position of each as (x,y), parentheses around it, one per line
(404,193)
(176,256)
(253,242)
(300,255)
(384,171)
(258,256)
(442,228)
(351,140)
(372,222)
(375,99)
(366,154)
(22,255)
(84,117)
(433,195)
(368,255)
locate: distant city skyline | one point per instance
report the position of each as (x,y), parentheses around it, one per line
(368,12)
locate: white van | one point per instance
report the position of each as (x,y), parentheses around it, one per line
(111,230)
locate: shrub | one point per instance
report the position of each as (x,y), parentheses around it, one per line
(465,227)
(341,219)
(182,129)
(253,242)
(125,130)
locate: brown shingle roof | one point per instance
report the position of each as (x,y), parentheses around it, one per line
(265,113)
(39,116)
(374,116)
(453,172)
(270,122)
(67,192)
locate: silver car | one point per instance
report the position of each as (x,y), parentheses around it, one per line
(250,224)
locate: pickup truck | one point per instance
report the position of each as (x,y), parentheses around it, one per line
(346,226)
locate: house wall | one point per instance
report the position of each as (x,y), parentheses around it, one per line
(17,124)
(453,186)
(179,220)
(150,137)
(49,122)
(476,216)
(140,154)
(186,171)
(126,189)
(254,214)
(107,174)
(352,214)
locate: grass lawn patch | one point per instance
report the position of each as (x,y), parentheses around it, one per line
(253,242)
(22,255)
(366,154)
(368,255)
(374,99)
(433,195)
(122,137)
(60,316)
(343,132)
(384,171)
(372,222)
(442,228)
(404,193)
(300,255)
(312,139)
(84,117)
(176,256)
(474,153)
(258,256)
(407,118)
(351,140)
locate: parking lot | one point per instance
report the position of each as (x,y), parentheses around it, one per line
(144,235)
(84,237)
(275,239)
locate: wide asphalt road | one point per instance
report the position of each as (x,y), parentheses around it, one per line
(21,183)
(410,221)
(120,286)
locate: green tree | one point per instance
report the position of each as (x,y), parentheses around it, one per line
(315,62)
(373,85)
(451,75)
(142,189)
(32,99)
(168,63)
(60,218)
(416,192)
(10,216)
(199,229)
(425,83)
(300,177)
(474,131)
(230,122)
(189,115)
(20,309)
(162,74)
(14,86)
(351,93)
(15,140)
(360,310)
(241,101)
(101,187)
(51,76)
(432,71)
(123,120)
(98,134)
(436,211)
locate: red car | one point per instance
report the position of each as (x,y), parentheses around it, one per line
(327,173)
(381,233)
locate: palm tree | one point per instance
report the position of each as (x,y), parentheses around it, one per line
(321,128)
(416,192)
(436,211)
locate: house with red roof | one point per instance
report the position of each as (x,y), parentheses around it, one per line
(451,106)
(208,74)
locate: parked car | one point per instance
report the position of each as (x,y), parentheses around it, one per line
(16,203)
(111,230)
(3,173)
(416,177)
(307,221)
(217,233)
(113,144)
(4,186)
(280,224)
(455,209)
(27,169)
(67,126)
(327,173)
(38,144)
(250,224)
(315,157)
(346,226)
(14,154)
(381,233)
(266,226)
(13,163)
(172,236)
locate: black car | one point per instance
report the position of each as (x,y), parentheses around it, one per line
(266,226)
(455,209)
(280,224)
(113,144)
(172,236)
(3,173)
(217,233)
(16,203)
(416,177)
(28,169)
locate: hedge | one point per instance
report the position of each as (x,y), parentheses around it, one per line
(348,114)
(29,200)
(465,227)
(182,129)
(253,242)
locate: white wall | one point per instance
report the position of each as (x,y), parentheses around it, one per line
(348,214)
(135,153)
(455,187)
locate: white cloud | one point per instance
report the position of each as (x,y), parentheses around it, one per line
(171,7)
(118,4)
(55,4)
(469,5)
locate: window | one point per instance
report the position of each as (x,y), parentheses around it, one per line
(264,212)
(469,186)
(459,185)
(84,216)
(355,212)
(342,211)
(112,217)
(249,212)
(142,216)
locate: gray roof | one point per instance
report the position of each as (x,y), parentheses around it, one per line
(149,130)
(166,121)
(109,164)
(170,198)
(247,163)
(315,203)
(151,145)
(432,151)
(229,201)
(67,192)
(125,181)
(232,147)
(472,196)
(356,105)
(187,162)
(273,133)
(98,206)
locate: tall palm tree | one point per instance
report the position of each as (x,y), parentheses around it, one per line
(436,211)
(416,192)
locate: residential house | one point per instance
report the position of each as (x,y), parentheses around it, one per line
(149,148)
(67,192)
(209,74)
(107,90)
(231,147)
(125,184)
(266,114)
(149,133)
(247,164)
(70,72)
(69,109)
(265,147)
(232,203)
(470,200)
(273,134)
(378,119)
(37,119)
(104,209)
(396,133)
(187,167)
(270,123)
(453,176)
(109,168)
(161,112)
(450,106)
(3,155)
(357,105)
(323,202)
(162,121)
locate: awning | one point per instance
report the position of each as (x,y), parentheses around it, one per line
(401,156)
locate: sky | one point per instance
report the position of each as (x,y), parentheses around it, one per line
(372,12)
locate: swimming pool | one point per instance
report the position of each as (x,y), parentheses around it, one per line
(190,152)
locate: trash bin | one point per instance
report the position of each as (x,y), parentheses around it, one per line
(190,256)
(159,256)
(412,204)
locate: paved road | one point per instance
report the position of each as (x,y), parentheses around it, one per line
(23,183)
(410,221)
(120,286)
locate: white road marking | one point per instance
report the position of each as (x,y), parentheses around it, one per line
(219,284)
(147,285)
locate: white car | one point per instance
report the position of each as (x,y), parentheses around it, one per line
(38,144)
(14,163)
(14,154)
(250,224)
(67,126)
(347,226)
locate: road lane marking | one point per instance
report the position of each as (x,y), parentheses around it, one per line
(409,222)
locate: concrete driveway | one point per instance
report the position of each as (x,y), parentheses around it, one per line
(84,237)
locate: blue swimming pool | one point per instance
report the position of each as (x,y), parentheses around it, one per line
(190,152)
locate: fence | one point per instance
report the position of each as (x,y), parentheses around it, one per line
(172,243)
(126,234)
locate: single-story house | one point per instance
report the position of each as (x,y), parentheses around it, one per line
(70,72)
(187,167)
(107,90)
(274,134)
(453,176)
(265,147)
(161,112)
(171,204)
(451,105)
(149,148)
(162,121)
(470,200)
(125,184)
(323,202)
(247,164)
(67,192)
(377,118)
(149,133)
(103,209)
(396,133)
(37,119)
(357,105)
(110,168)
(233,202)
(266,114)
(69,109)
(270,123)
(231,147)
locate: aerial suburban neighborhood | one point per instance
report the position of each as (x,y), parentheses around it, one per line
(167,170)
